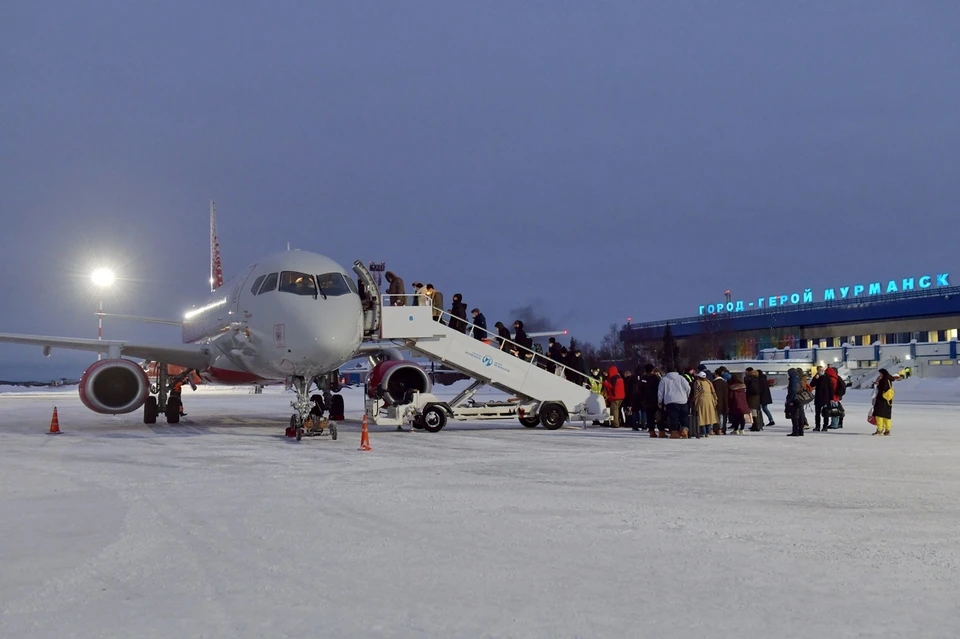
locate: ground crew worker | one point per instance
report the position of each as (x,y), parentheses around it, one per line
(175,395)
(596,384)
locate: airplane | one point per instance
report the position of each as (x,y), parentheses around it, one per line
(293,317)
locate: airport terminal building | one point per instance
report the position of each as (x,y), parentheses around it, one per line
(861,326)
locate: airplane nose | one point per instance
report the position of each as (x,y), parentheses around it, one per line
(326,334)
(337,331)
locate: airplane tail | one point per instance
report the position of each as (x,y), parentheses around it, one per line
(216,269)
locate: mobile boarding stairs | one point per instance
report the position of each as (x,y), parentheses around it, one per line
(541,396)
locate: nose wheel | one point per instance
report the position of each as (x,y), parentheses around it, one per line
(296,424)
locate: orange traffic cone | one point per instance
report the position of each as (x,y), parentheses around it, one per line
(364,436)
(54,423)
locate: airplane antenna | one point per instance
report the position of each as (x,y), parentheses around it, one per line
(216,268)
(377,270)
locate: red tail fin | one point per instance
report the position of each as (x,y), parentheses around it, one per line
(216,269)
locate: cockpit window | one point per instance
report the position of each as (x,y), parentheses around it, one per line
(269,284)
(353,286)
(333,284)
(256,285)
(298,283)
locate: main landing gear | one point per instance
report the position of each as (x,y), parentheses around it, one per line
(164,398)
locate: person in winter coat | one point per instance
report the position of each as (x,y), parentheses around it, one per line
(792,408)
(650,402)
(765,398)
(737,404)
(525,351)
(883,403)
(673,393)
(436,298)
(564,358)
(576,370)
(423,296)
(479,325)
(705,404)
(629,388)
(396,289)
(458,314)
(553,352)
(614,390)
(720,387)
(840,391)
(752,382)
(504,334)
(635,399)
(834,409)
(822,394)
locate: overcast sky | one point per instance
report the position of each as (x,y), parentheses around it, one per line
(597,159)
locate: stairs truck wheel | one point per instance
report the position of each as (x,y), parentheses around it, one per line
(150,411)
(530,422)
(434,419)
(418,422)
(552,415)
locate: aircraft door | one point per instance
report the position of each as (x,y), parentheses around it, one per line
(371,303)
(238,289)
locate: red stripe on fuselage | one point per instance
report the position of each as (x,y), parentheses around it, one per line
(225,376)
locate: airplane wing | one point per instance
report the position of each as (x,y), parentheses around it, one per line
(195,356)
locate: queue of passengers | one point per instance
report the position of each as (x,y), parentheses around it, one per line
(700,403)
(518,344)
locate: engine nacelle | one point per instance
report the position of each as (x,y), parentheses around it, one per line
(394,379)
(114,386)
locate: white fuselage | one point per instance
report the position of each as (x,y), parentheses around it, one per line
(270,322)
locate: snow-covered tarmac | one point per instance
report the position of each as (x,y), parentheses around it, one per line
(221,527)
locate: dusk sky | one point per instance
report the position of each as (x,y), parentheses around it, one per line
(597,160)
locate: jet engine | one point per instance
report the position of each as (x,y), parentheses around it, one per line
(114,386)
(393,380)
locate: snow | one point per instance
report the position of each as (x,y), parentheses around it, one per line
(221,527)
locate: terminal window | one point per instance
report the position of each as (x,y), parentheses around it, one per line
(951,334)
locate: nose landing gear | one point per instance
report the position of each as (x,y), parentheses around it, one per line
(301,405)
(308,419)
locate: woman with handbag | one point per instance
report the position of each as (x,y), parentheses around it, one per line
(883,403)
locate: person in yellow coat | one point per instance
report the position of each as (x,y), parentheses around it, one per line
(883,403)
(705,406)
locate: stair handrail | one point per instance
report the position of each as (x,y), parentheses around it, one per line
(590,381)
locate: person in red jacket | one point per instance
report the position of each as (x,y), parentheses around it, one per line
(615,392)
(835,410)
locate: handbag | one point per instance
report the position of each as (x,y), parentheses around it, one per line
(803,397)
(871,419)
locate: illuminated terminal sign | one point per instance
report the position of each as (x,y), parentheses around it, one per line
(831,294)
